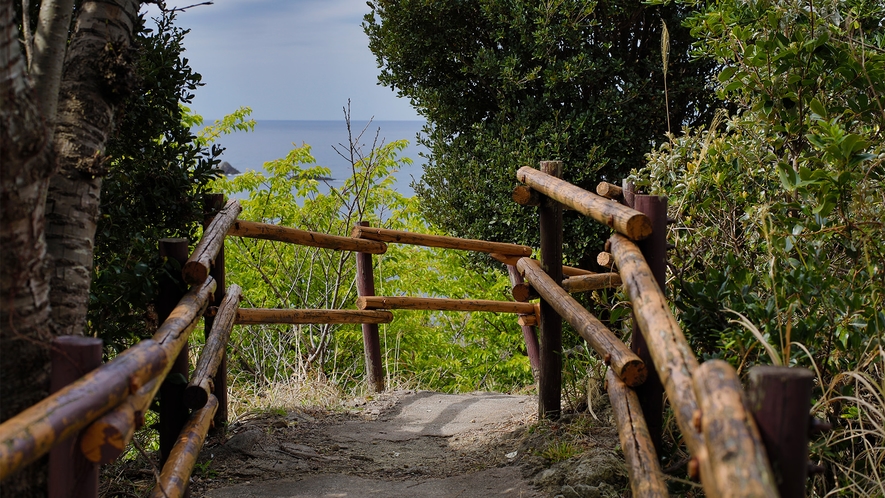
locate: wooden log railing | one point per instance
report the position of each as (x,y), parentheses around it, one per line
(624,362)
(32,433)
(440,241)
(627,221)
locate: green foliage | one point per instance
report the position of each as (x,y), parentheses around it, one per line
(780,203)
(445,351)
(157,175)
(506,84)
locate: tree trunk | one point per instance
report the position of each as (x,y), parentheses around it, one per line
(94,82)
(97,76)
(25,167)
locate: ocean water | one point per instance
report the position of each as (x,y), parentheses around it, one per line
(274,139)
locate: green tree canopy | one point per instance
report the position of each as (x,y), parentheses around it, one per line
(506,84)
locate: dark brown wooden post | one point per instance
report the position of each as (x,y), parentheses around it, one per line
(529,333)
(654,249)
(550,382)
(173,412)
(71,475)
(365,284)
(780,401)
(214,204)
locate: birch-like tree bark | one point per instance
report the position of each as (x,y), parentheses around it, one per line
(50,169)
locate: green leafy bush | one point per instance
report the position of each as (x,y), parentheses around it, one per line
(780,203)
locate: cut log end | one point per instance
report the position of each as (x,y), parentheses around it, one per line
(633,372)
(196,396)
(195,272)
(638,227)
(525,196)
(609,191)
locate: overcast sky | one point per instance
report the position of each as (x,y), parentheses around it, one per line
(286,59)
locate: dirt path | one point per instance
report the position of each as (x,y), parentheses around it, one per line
(400,444)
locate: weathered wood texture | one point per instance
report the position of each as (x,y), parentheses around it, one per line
(523,292)
(214,203)
(568,271)
(780,400)
(609,191)
(31,434)
(202,382)
(624,220)
(290,235)
(673,358)
(441,304)
(70,474)
(654,250)
(178,468)
(365,286)
(584,283)
(737,457)
(255,316)
(107,438)
(441,241)
(550,235)
(646,477)
(624,362)
(606,260)
(527,323)
(525,196)
(197,267)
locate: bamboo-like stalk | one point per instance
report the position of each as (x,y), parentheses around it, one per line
(290,235)
(584,283)
(30,434)
(254,316)
(646,477)
(440,304)
(427,240)
(178,468)
(673,358)
(627,221)
(737,455)
(624,362)
(196,269)
(568,271)
(197,392)
(609,191)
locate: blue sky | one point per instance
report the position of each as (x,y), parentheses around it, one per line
(286,59)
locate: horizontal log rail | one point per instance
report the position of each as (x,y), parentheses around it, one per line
(568,271)
(258,316)
(623,219)
(32,433)
(441,304)
(291,235)
(441,241)
(624,362)
(197,267)
(201,385)
(180,465)
(523,292)
(585,283)
(646,476)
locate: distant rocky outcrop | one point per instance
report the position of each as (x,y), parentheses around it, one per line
(227,169)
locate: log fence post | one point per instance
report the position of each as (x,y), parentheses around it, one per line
(215,203)
(780,401)
(654,249)
(173,412)
(365,283)
(71,475)
(550,381)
